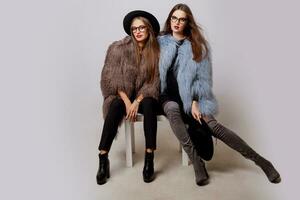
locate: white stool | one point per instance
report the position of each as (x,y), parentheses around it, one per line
(130,142)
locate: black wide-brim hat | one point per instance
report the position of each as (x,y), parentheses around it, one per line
(202,140)
(140,13)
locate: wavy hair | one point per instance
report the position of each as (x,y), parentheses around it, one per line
(150,51)
(192,31)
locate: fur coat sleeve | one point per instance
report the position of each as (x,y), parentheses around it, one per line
(111,70)
(201,88)
(111,76)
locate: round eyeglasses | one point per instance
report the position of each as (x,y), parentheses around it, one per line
(141,28)
(180,20)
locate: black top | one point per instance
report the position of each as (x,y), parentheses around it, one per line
(171,93)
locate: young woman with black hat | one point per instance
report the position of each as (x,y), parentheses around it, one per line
(130,84)
(186,85)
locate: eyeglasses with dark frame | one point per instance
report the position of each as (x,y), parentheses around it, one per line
(181,20)
(141,28)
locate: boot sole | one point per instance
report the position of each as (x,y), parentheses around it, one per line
(203,182)
(103,181)
(149,180)
(276,180)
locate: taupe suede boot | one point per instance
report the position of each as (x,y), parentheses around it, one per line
(236,143)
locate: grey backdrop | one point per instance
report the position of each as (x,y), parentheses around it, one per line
(51,58)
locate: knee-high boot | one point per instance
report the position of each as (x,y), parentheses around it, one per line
(172,111)
(236,143)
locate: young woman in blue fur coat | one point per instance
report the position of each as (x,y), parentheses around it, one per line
(186,90)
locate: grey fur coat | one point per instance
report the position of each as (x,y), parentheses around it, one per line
(194,78)
(120,72)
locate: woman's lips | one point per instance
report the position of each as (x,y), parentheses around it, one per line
(176,27)
(138,36)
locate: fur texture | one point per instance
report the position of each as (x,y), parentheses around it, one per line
(120,72)
(194,78)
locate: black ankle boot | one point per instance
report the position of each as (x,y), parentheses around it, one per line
(148,171)
(103,170)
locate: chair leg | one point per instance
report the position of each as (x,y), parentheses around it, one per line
(128,141)
(185,158)
(132,137)
(179,147)
(130,145)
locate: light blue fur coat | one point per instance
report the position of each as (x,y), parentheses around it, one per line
(194,78)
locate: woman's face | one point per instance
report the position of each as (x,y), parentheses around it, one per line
(178,21)
(139,30)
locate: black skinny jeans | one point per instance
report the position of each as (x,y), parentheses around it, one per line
(148,107)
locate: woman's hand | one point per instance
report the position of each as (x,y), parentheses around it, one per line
(132,111)
(126,101)
(127,105)
(196,111)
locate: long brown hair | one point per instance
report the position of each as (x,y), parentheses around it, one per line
(150,51)
(192,31)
